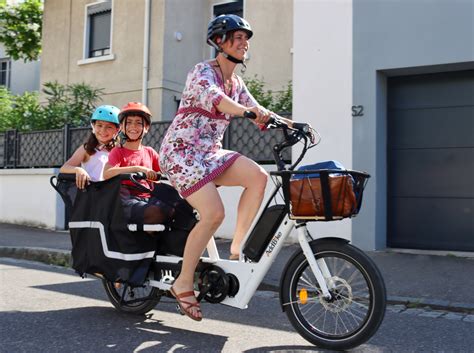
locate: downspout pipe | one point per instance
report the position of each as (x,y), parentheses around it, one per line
(146,52)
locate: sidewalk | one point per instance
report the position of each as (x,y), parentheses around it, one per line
(438,281)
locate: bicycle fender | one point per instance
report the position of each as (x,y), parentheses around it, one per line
(314,245)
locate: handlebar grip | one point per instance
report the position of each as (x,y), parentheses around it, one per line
(140,175)
(133,176)
(301,127)
(250,115)
(67,176)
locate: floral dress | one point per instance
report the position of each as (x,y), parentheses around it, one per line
(191,153)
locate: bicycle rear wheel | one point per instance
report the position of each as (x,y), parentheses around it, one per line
(136,300)
(358,296)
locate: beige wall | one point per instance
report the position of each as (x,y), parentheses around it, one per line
(185,18)
(55,54)
(170,58)
(270,47)
(121,78)
(272,42)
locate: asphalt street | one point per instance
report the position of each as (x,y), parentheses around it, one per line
(46,308)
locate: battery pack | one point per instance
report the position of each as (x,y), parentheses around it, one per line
(264,231)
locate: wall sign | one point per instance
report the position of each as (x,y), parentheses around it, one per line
(357,110)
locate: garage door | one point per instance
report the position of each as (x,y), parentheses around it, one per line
(431,161)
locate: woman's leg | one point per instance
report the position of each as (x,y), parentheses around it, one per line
(248,174)
(211,212)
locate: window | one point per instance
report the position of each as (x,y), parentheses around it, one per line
(5,72)
(98,33)
(230,8)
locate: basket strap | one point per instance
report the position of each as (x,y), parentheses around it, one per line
(326,195)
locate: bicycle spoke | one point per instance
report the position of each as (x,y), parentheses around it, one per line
(347,309)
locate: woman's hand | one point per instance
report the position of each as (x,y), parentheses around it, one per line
(82,178)
(262,114)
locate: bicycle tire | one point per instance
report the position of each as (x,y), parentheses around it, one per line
(353,315)
(151,297)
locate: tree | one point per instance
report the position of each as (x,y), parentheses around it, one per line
(20,29)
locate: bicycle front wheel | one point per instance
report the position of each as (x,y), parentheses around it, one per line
(358,296)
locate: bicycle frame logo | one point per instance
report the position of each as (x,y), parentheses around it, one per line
(273,243)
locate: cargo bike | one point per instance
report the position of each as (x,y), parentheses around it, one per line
(331,291)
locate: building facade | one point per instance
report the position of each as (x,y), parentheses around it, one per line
(142,50)
(18,76)
(392,93)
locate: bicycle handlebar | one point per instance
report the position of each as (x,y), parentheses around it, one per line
(292,135)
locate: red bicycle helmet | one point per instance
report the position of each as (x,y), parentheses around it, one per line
(135,108)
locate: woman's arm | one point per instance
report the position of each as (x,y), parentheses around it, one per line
(228,106)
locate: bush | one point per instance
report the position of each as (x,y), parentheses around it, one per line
(279,102)
(72,104)
(6,107)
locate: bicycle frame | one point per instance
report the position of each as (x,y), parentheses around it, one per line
(251,274)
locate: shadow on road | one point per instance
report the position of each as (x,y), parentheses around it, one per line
(96,329)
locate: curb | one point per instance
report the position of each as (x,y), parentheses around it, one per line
(44,255)
(63,258)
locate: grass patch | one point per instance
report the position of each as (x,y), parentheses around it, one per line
(414,305)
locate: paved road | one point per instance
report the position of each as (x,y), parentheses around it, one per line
(50,309)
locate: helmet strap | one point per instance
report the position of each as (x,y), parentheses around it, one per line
(227,56)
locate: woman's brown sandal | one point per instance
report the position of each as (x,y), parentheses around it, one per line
(185,306)
(234,257)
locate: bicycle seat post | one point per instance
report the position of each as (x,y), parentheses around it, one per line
(212,250)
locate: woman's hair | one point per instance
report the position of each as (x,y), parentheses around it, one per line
(228,37)
(92,143)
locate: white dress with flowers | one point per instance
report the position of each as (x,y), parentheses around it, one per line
(191,153)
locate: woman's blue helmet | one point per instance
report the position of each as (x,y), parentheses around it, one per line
(107,113)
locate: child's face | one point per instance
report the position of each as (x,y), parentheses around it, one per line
(134,126)
(105,131)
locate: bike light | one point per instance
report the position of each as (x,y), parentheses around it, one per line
(303,296)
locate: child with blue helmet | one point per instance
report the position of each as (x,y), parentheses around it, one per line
(89,159)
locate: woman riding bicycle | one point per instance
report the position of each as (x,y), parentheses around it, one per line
(192,155)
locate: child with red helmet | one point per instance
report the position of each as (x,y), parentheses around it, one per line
(133,157)
(89,160)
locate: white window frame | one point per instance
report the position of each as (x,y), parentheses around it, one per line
(9,70)
(91,9)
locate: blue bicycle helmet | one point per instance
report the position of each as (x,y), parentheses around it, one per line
(107,113)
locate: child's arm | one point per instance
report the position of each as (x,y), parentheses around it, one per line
(110,171)
(73,166)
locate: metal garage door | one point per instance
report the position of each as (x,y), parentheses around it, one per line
(431,161)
